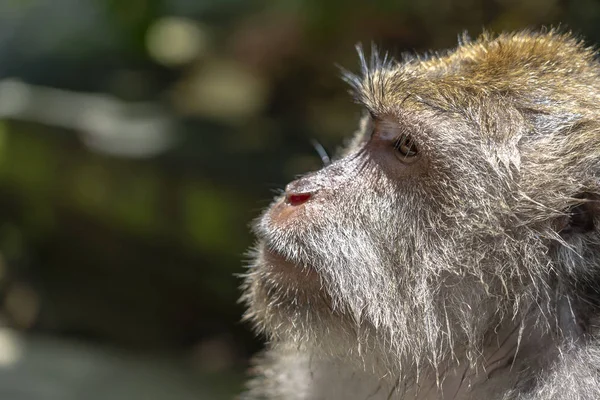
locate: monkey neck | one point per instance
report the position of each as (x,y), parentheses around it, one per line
(510,359)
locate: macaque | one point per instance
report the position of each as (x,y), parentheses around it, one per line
(452,250)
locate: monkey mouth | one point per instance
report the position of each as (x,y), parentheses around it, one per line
(284,270)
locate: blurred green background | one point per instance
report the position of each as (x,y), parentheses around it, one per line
(139,138)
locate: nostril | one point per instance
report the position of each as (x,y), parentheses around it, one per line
(295,199)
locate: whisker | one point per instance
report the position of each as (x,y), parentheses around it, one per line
(321,152)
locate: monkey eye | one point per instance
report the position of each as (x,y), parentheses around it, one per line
(405,147)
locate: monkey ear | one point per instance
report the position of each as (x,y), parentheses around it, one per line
(582,217)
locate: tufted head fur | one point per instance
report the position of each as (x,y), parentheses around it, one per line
(464,207)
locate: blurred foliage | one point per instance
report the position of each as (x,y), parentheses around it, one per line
(126,196)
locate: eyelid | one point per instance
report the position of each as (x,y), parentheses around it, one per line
(389,130)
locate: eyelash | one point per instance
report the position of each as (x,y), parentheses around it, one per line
(406,146)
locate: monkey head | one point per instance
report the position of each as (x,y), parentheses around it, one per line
(466,199)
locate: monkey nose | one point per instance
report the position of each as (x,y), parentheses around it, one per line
(295,199)
(299,191)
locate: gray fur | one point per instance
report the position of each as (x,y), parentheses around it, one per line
(473,273)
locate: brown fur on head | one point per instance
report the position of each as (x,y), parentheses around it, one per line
(465,205)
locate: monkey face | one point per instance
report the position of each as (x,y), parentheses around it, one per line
(373,241)
(438,221)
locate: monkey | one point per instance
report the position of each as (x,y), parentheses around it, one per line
(452,249)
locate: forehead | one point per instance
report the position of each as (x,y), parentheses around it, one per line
(482,80)
(439,109)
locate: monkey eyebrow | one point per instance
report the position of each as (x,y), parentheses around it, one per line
(375,114)
(415,97)
(432,105)
(408,96)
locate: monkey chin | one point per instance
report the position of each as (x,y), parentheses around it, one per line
(284,281)
(287,300)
